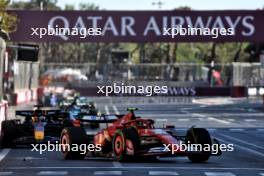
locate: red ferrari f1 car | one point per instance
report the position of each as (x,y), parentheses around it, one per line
(127,137)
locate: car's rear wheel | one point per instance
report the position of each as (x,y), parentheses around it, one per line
(199,136)
(8,134)
(73,137)
(125,144)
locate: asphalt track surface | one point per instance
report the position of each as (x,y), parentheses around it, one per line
(239,122)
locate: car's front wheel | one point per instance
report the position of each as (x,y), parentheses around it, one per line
(8,133)
(125,144)
(201,137)
(70,140)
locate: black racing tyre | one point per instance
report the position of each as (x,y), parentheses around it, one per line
(125,144)
(199,136)
(73,137)
(67,123)
(8,134)
(132,141)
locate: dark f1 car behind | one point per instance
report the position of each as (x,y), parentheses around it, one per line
(128,137)
(38,126)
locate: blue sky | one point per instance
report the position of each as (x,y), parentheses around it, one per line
(169,4)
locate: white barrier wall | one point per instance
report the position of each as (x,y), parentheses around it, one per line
(3,112)
(26,96)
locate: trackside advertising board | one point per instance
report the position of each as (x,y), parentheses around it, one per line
(139,26)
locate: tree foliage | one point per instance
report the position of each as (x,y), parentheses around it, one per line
(35,5)
(8,21)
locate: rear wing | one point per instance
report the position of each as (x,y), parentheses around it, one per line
(24,113)
(99,119)
(38,113)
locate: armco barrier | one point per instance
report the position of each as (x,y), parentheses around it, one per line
(3,112)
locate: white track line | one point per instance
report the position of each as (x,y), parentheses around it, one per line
(162,173)
(183,111)
(4,153)
(161,120)
(231,115)
(243,148)
(117,164)
(161,115)
(199,115)
(250,120)
(219,174)
(5,173)
(218,120)
(211,118)
(236,129)
(116,110)
(53,173)
(183,120)
(108,173)
(139,167)
(106,110)
(242,114)
(241,141)
(261,174)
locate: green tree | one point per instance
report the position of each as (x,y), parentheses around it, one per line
(69,7)
(36,5)
(88,6)
(7,24)
(8,21)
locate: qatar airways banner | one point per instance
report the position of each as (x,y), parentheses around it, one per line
(139,26)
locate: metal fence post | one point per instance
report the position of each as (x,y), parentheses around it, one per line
(2,55)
